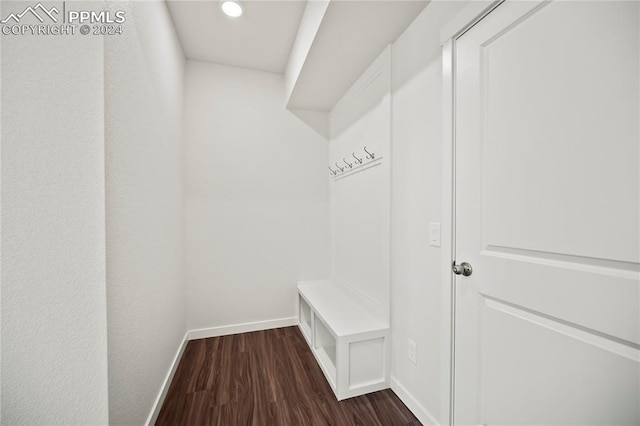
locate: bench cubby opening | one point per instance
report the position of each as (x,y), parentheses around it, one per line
(305,319)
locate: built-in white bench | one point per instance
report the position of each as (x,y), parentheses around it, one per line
(350,343)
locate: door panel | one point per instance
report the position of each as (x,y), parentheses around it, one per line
(546,373)
(547,106)
(559,89)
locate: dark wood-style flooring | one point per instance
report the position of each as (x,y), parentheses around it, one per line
(266,378)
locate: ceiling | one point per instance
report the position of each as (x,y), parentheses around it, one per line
(337,40)
(260,39)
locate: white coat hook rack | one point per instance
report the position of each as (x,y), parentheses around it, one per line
(361,163)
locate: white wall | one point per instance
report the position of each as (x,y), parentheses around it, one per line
(360,202)
(256,200)
(416,180)
(145,258)
(54,340)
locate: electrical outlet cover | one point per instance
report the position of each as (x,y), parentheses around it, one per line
(412,351)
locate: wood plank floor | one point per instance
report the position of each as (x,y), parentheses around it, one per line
(266,378)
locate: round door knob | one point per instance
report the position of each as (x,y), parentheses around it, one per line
(463,269)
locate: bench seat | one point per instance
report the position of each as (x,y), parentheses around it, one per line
(350,343)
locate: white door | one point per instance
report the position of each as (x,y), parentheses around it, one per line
(547,326)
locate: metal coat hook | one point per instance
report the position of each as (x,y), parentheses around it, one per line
(333,172)
(370,155)
(358,160)
(339,168)
(350,165)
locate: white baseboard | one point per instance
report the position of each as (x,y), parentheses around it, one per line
(203,333)
(425,417)
(157,405)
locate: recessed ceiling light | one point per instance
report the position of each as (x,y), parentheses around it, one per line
(232,8)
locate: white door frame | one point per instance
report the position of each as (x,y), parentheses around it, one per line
(466,19)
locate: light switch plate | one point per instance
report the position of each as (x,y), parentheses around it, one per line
(434,234)
(412,350)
